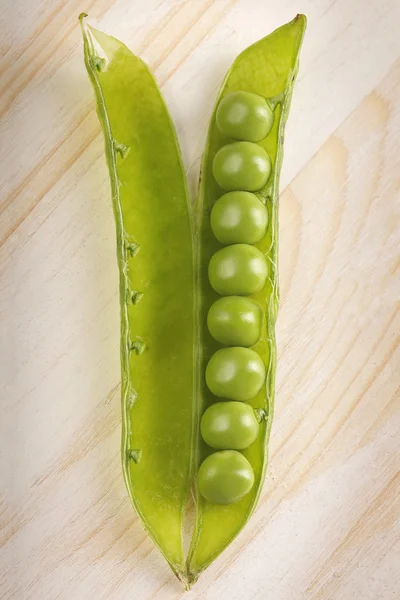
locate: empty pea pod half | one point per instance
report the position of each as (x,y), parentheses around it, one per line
(198,290)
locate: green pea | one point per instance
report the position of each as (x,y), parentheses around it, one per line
(239,218)
(241,166)
(235,373)
(244,116)
(235,321)
(238,270)
(225,477)
(229,426)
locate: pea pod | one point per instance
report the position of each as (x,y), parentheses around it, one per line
(172,268)
(267,68)
(155,258)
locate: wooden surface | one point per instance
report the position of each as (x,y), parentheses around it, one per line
(327,525)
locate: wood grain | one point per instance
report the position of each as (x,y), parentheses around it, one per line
(327,525)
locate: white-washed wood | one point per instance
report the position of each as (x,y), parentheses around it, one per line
(326,527)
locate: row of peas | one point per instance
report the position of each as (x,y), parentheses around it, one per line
(236,373)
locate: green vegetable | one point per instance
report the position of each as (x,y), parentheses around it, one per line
(268,68)
(241,166)
(244,116)
(235,321)
(155,258)
(239,269)
(235,373)
(239,218)
(225,477)
(172,269)
(229,426)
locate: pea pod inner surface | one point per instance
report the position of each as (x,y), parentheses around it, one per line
(268,69)
(155,257)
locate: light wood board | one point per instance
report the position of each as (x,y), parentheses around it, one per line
(327,525)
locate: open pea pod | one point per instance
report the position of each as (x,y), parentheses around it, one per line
(267,68)
(155,258)
(165,291)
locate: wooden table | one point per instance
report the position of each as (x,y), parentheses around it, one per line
(327,525)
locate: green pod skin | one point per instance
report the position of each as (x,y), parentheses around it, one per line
(150,204)
(267,68)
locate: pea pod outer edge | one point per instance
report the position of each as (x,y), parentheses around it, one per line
(208,193)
